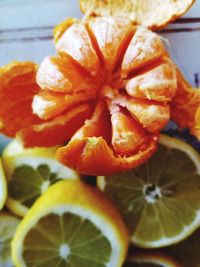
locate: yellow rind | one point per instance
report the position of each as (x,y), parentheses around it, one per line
(3,187)
(171,143)
(15,155)
(76,195)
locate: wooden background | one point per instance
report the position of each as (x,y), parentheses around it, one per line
(26,33)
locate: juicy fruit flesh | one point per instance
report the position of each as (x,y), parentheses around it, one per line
(159,199)
(124,67)
(27,183)
(71,243)
(73,222)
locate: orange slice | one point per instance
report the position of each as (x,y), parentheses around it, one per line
(154,14)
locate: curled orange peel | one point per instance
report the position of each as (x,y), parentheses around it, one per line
(154,14)
(185,106)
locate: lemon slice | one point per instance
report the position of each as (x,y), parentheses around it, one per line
(150,260)
(3,187)
(159,200)
(72,224)
(8,224)
(29,173)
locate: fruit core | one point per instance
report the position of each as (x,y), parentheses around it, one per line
(152,193)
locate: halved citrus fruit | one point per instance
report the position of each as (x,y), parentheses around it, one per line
(29,173)
(150,260)
(3,186)
(8,225)
(159,200)
(72,224)
(154,14)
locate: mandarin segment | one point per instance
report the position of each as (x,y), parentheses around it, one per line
(48,104)
(157,84)
(112,36)
(62,27)
(76,43)
(151,115)
(144,48)
(127,135)
(98,125)
(61,75)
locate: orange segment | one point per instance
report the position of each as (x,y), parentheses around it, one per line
(185,106)
(57,130)
(76,43)
(144,48)
(151,115)
(93,156)
(48,104)
(112,36)
(98,125)
(62,75)
(127,134)
(62,27)
(17,89)
(157,84)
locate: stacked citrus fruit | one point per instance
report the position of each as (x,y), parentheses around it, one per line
(102,102)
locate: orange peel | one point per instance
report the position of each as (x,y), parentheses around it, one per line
(185,106)
(18,88)
(154,14)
